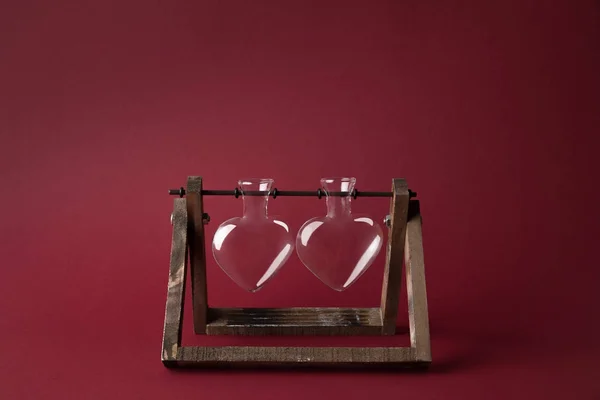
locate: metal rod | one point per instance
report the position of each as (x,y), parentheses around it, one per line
(290,193)
(305,193)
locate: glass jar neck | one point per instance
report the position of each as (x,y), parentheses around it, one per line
(338,205)
(255,206)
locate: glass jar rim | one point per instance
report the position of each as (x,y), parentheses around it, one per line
(334,179)
(254,181)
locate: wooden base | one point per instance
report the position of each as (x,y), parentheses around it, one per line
(405,244)
(255,356)
(294,321)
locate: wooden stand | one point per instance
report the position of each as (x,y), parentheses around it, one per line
(404,244)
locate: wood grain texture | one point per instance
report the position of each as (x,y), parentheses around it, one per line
(418,316)
(176,288)
(197,249)
(255,356)
(294,321)
(392,276)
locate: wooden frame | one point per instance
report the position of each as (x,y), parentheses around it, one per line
(404,244)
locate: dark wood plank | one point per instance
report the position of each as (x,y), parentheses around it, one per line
(392,277)
(294,321)
(195,211)
(256,356)
(415,286)
(176,288)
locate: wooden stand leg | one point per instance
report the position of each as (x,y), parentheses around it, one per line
(176,291)
(392,277)
(415,286)
(195,212)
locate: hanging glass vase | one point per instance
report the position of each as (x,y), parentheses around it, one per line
(340,246)
(251,249)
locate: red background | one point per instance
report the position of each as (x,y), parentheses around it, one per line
(490,112)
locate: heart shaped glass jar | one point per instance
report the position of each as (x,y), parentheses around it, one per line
(253,247)
(339,247)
